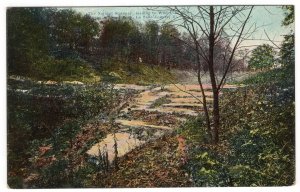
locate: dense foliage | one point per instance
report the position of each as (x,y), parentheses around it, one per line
(62,44)
(262,57)
(23,45)
(47,44)
(258,144)
(258,134)
(289,15)
(43,115)
(135,73)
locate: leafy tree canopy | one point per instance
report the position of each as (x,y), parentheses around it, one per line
(262,57)
(289,15)
(287,51)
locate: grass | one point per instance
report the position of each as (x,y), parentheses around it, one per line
(134,73)
(114,71)
(59,70)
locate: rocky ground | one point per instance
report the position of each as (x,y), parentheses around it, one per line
(153,113)
(142,135)
(148,148)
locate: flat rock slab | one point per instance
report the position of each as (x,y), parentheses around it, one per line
(181,94)
(125,143)
(138,123)
(193,87)
(175,110)
(182,105)
(148,97)
(179,87)
(188,99)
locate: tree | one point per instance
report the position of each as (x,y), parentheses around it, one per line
(289,15)
(214,23)
(262,57)
(120,38)
(188,59)
(169,45)
(71,32)
(24,45)
(36,36)
(287,51)
(150,42)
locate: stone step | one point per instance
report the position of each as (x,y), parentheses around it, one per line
(182,105)
(188,95)
(179,87)
(149,97)
(138,123)
(125,143)
(188,100)
(169,110)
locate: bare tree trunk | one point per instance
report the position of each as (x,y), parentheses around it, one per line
(213,31)
(205,108)
(216,119)
(204,103)
(216,112)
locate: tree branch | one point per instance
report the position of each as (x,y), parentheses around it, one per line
(233,51)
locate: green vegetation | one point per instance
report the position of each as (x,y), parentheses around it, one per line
(43,42)
(60,45)
(52,116)
(257,145)
(194,130)
(289,15)
(258,140)
(64,70)
(135,73)
(160,101)
(274,76)
(262,57)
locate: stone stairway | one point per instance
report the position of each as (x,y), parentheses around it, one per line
(134,132)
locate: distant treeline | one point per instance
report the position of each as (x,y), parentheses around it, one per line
(60,39)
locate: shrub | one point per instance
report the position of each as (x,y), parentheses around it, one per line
(50,115)
(194,130)
(257,140)
(49,68)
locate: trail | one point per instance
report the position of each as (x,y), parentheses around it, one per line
(147,145)
(143,121)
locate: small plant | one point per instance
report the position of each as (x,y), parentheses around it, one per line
(160,101)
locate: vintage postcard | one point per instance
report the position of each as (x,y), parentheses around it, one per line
(161,96)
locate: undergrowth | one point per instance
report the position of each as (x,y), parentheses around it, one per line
(257,146)
(50,117)
(134,73)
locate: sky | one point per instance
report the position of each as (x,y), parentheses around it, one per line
(269,19)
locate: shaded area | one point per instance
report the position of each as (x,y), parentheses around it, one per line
(155,165)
